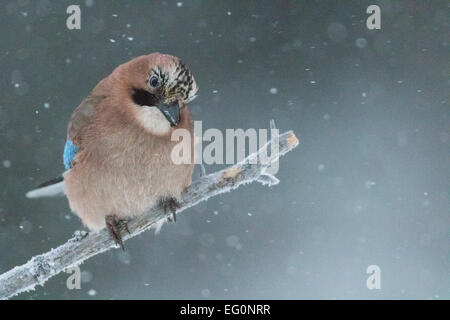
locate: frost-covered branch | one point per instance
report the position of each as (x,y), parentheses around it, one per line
(85,245)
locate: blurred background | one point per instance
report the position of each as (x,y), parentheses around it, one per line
(368,185)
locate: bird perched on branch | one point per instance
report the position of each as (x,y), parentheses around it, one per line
(118,149)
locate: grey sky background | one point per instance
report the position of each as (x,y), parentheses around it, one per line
(369,183)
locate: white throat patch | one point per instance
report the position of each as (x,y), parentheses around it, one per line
(152,119)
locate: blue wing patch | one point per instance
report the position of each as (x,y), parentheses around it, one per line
(69,153)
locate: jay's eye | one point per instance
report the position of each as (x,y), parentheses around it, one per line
(154,81)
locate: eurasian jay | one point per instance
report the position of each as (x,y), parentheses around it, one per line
(118,149)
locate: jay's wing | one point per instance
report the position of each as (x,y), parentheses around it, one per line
(80,118)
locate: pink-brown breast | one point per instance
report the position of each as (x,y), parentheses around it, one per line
(124,170)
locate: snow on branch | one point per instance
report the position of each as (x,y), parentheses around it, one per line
(84,245)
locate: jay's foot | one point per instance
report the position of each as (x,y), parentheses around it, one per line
(115,228)
(170,204)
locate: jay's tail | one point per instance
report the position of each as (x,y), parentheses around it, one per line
(51,188)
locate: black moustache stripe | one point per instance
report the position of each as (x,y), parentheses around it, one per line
(144,98)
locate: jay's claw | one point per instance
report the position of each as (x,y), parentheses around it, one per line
(115,227)
(170,204)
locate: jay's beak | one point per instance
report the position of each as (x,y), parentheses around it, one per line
(171,112)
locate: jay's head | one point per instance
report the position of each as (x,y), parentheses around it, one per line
(159,87)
